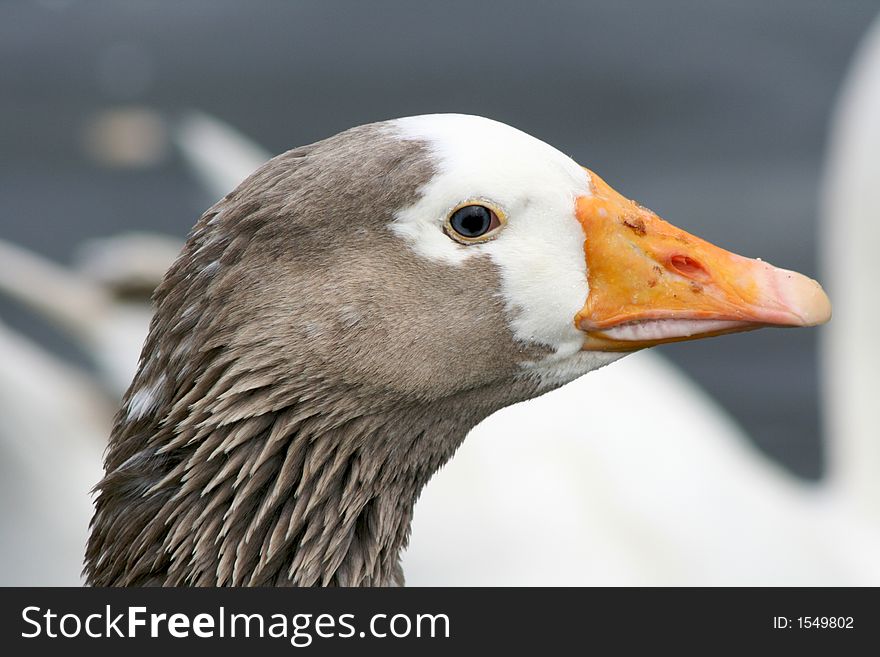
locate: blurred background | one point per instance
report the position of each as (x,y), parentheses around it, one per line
(120,117)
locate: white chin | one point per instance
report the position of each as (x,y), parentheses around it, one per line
(666,329)
(553,372)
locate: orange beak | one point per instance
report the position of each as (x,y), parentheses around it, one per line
(651,282)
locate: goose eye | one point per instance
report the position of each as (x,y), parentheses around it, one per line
(471,222)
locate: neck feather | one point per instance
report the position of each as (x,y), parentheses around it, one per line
(294,496)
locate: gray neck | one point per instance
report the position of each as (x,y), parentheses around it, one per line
(281,498)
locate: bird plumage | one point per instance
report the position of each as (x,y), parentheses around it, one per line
(265,438)
(323,344)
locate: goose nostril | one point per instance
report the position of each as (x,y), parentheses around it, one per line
(689,267)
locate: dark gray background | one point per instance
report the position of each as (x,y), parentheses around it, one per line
(713,114)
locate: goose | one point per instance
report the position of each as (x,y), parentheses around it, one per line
(102,304)
(665,502)
(336,324)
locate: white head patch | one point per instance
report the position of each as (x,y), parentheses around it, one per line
(540,252)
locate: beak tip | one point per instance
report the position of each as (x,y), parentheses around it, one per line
(820,311)
(805,298)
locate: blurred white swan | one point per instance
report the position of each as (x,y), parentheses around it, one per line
(850,235)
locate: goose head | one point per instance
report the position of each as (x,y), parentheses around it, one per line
(336,324)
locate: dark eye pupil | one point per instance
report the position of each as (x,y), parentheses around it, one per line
(471,221)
